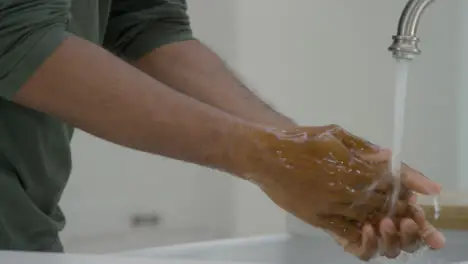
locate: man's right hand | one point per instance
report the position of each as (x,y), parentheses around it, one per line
(331,180)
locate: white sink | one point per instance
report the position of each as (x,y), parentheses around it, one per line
(46,258)
(294,249)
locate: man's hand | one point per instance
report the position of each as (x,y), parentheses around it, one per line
(342,184)
(407,234)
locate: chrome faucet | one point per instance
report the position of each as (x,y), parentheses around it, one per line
(405,43)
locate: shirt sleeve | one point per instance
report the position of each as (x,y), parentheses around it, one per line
(30,31)
(136,27)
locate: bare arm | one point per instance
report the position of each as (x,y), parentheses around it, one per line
(193,69)
(157,38)
(90,88)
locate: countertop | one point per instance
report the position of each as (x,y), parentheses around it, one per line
(453,210)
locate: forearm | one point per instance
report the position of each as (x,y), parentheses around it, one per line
(193,69)
(91,89)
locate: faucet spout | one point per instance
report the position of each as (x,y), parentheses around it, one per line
(405,42)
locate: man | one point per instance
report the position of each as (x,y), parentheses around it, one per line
(171,96)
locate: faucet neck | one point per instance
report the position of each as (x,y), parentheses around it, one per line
(405,43)
(411,15)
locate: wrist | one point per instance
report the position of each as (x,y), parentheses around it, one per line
(251,148)
(285,123)
(278,121)
(253,153)
(237,152)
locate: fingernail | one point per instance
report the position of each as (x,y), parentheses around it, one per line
(433,238)
(434,191)
(436,188)
(439,241)
(389,230)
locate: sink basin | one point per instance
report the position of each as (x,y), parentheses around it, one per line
(295,249)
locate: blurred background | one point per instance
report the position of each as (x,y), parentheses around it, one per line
(317,61)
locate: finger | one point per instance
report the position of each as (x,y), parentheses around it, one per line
(348,230)
(391,242)
(364,248)
(407,195)
(410,177)
(348,168)
(342,145)
(428,233)
(357,213)
(384,181)
(382,157)
(397,194)
(333,150)
(417,182)
(354,143)
(390,185)
(369,244)
(402,209)
(376,166)
(410,239)
(384,204)
(381,185)
(351,212)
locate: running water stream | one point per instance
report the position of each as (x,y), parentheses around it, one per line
(399,104)
(401,83)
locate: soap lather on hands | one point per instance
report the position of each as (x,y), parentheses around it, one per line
(340,183)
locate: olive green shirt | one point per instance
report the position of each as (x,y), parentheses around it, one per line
(35,160)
